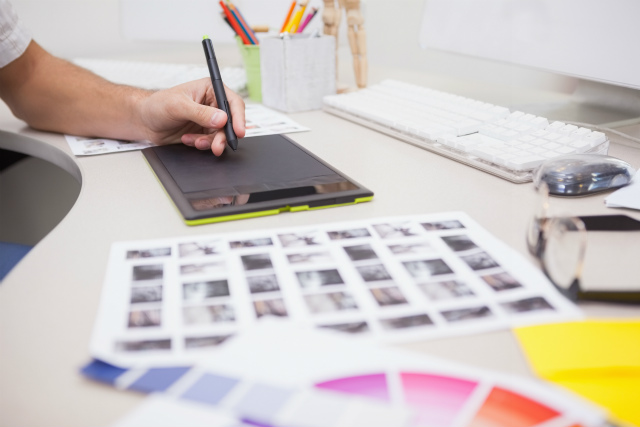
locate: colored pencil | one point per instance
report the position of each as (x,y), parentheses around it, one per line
(307,20)
(286,21)
(297,19)
(243,24)
(224,17)
(234,23)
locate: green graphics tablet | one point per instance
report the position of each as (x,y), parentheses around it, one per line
(265,176)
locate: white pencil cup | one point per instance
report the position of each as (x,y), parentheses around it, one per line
(297,71)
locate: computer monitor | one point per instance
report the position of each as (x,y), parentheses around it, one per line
(594,41)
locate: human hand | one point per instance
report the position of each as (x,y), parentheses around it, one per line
(189,113)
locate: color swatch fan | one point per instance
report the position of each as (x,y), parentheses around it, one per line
(437,392)
(449,401)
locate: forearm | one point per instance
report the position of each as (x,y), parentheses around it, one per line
(54,95)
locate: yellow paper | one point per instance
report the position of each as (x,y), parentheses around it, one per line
(598,359)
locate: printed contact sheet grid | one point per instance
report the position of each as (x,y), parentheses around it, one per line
(391,279)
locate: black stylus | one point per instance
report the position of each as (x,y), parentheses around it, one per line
(218,90)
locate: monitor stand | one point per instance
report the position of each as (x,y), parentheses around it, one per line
(593,103)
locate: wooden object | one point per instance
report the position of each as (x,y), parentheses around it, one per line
(331,17)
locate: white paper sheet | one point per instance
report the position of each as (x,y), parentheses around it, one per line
(260,121)
(85,146)
(626,197)
(171,301)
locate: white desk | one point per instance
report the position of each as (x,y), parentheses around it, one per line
(48,303)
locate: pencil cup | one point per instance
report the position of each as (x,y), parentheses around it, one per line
(297,72)
(251,58)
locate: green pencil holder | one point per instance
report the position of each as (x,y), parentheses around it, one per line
(251,58)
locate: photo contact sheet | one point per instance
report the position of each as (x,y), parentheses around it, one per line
(388,279)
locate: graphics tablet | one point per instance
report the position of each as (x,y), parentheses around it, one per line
(265,176)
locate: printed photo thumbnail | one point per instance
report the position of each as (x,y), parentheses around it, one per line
(396,230)
(266,283)
(270,307)
(351,328)
(203,248)
(148,253)
(411,248)
(388,296)
(208,314)
(353,233)
(459,243)
(308,238)
(317,278)
(200,291)
(203,342)
(145,318)
(212,267)
(527,304)
(251,243)
(256,262)
(141,294)
(147,272)
(310,258)
(360,252)
(480,261)
(447,289)
(442,225)
(330,302)
(466,314)
(425,269)
(405,322)
(501,281)
(373,273)
(143,345)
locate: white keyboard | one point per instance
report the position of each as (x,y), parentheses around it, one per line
(489,137)
(154,75)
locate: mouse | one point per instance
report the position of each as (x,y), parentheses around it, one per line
(583,174)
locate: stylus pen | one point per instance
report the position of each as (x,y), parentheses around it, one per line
(218,90)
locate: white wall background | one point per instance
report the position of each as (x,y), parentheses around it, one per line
(105,28)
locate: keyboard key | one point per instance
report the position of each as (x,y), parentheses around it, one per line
(551,145)
(595,138)
(539,122)
(487,153)
(553,136)
(540,133)
(566,150)
(516,115)
(581,146)
(582,132)
(555,126)
(537,150)
(527,138)
(468,126)
(526,162)
(568,129)
(503,159)
(565,140)
(549,154)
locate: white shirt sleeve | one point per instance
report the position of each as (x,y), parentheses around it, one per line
(14,37)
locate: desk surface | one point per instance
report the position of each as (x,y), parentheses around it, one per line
(48,303)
